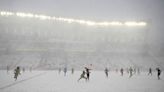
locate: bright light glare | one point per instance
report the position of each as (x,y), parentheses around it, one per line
(3,13)
(135,23)
(71,20)
(24,15)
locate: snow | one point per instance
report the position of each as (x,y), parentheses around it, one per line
(51,81)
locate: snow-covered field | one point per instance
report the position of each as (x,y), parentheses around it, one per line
(51,81)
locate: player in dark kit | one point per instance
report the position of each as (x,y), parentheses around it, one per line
(158,73)
(106,72)
(150,72)
(65,71)
(16,72)
(82,76)
(87,72)
(122,71)
(130,72)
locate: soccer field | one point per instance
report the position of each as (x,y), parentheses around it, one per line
(51,81)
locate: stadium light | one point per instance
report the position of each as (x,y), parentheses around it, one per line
(71,20)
